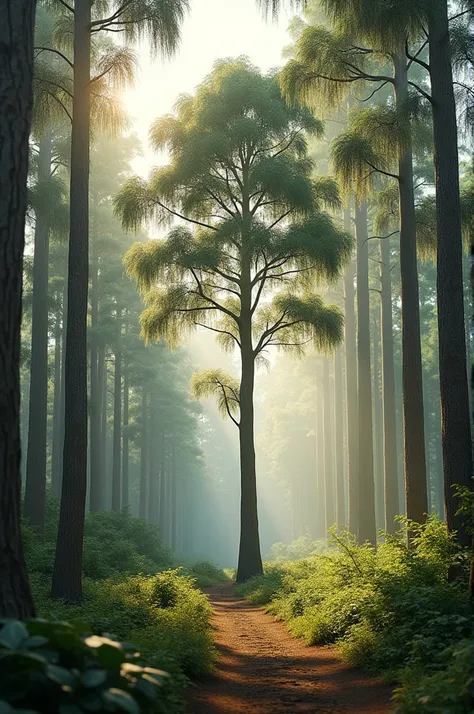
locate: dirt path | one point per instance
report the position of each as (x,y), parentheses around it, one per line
(262,669)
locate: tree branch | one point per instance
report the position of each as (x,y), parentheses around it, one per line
(65,4)
(213,302)
(185,218)
(56,52)
(221,332)
(112,18)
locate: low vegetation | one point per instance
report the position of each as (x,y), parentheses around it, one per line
(391,611)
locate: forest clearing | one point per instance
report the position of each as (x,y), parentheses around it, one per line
(236,356)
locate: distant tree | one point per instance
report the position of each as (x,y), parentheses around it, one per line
(241,176)
(16,100)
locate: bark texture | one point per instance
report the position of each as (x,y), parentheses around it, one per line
(16,69)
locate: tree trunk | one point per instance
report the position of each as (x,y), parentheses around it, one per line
(56,447)
(35,490)
(142,510)
(162,496)
(95,495)
(153,446)
(328,431)
(388,393)
(378,426)
(16,68)
(174,493)
(351,390)
(455,418)
(125,438)
(117,437)
(67,574)
(366,498)
(341,518)
(416,494)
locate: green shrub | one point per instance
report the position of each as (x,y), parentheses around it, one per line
(302,547)
(206,574)
(55,668)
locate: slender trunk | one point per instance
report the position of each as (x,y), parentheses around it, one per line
(95,495)
(328,431)
(125,438)
(16,69)
(412,370)
(102,389)
(162,491)
(174,493)
(320,489)
(117,437)
(56,448)
(67,573)
(154,468)
(35,491)
(339,434)
(388,392)
(366,498)
(455,418)
(142,510)
(60,458)
(378,426)
(351,390)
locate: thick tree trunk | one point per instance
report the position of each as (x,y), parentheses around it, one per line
(388,391)
(67,574)
(126,443)
(16,69)
(416,494)
(455,418)
(57,411)
(328,430)
(117,436)
(95,492)
(366,498)
(351,390)
(142,509)
(35,490)
(378,426)
(341,517)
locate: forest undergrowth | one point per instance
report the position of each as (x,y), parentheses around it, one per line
(391,611)
(135,590)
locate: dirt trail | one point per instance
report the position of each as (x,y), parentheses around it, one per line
(262,669)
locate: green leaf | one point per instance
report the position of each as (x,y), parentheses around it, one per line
(13,634)
(110,657)
(94,678)
(60,675)
(121,700)
(36,641)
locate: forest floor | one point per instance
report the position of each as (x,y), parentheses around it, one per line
(262,669)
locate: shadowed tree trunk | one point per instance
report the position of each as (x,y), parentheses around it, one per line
(95,495)
(351,390)
(328,430)
(341,518)
(35,490)
(162,497)
(388,391)
(455,418)
(67,573)
(416,494)
(366,499)
(125,438)
(142,510)
(378,425)
(117,437)
(16,69)
(56,447)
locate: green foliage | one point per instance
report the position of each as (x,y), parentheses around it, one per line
(390,610)
(52,667)
(206,574)
(302,547)
(115,543)
(226,389)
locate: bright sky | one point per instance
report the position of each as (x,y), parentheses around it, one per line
(214,29)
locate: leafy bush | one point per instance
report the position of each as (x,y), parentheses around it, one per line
(302,547)
(387,610)
(206,574)
(115,543)
(53,667)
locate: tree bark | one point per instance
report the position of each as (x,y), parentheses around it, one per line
(16,70)
(351,390)
(366,498)
(341,512)
(67,574)
(95,493)
(142,510)
(378,426)
(416,493)
(455,417)
(117,437)
(125,438)
(388,394)
(153,442)
(57,411)
(35,490)
(328,431)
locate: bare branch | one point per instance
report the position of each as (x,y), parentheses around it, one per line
(68,7)
(56,52)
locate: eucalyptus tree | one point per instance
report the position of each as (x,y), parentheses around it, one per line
(241,177)
(160,21)
(16,100)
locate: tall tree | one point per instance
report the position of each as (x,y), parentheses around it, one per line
(16,98)
(241,175)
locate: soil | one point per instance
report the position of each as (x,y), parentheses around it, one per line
(262,669)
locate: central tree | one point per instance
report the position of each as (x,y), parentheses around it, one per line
(257,242)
